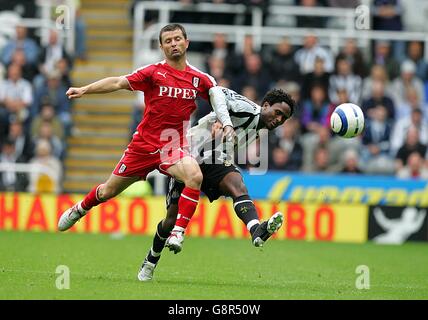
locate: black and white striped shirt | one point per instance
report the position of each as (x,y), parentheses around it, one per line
(245,117)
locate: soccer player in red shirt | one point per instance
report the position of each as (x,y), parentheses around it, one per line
(170,88)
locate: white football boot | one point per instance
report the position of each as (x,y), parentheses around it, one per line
(146,271)
(267,228)
(175,241)
(71,216)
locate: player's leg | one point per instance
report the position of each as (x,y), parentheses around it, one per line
(232,185)
(186,170)
(163,230)
(101,193)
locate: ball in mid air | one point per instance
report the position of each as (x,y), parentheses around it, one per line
(347,120)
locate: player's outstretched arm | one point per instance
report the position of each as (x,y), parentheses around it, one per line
(105,85)
(218,102)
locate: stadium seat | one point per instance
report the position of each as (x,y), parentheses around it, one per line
(45,184)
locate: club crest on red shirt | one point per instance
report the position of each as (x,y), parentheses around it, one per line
(196,82)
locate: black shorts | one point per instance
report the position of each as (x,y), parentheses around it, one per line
(212,176)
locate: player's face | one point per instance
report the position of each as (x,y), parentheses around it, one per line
(174,45)
(275,115)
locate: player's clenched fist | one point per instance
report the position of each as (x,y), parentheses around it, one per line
(229,134)
(75,93)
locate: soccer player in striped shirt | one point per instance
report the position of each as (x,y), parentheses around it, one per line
(220,176)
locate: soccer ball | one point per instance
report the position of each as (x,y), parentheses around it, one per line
(347,120)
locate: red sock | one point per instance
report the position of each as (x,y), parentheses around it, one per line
(187,206)
(91,200)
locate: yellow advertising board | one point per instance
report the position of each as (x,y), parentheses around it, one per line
(322,222)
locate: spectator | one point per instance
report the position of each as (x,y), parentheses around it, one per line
(50,56)
(47,114)
(379,97)
(46,133)
(220,48)
(402,127)
(412,144)
(288,155)
(355,57)
(216,67)
(321,160)
(316,111)
(377,73)
(310,21)
(29,46)
(16,94)
(293,89)
(251,93)
(382,56)
(387,16)
(50,179)
(9,180)
(318,77)
(306,56)
(350,165)
(28,71)
(279,159)
(345,79)
(376,145)
(415,53)
(52,53)
(310,142)
(412,101)
(282,64)
(407,79)
(254,75)
(24,148)
(54,93)
(236,60)
(342,97)
(63,67)
(414,168)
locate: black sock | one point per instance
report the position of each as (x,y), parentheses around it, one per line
(246,211)
(158,243)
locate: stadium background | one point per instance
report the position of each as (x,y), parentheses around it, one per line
(322,52)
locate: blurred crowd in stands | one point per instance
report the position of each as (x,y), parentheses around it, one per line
(390,84)
(35,113)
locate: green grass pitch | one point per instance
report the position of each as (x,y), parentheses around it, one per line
(105,267)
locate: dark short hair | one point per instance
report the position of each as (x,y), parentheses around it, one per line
(172,27)
(277,96)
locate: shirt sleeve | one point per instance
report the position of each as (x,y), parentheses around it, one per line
(218,102)
(208,82)
(140,79)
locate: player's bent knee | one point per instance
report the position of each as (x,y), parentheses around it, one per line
(194,179)
(234,186)
(105,193)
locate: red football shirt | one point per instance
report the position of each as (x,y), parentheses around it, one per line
(169,96)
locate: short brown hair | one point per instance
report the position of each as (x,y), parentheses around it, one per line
(172,27)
